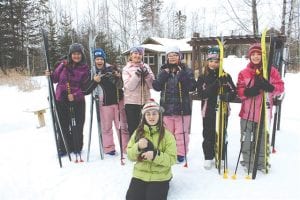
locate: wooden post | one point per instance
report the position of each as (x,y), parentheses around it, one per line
(41,118)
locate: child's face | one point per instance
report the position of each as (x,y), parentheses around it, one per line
(255,58)
(99,61)
(152,117)
(136,57)
(173,58)
(213,64)
(76,57)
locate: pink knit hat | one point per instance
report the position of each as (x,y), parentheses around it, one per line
(256,47)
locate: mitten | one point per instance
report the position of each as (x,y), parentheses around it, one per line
(266,86)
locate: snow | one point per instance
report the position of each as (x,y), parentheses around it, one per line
(30,170)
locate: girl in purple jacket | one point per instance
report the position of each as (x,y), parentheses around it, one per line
(71,77)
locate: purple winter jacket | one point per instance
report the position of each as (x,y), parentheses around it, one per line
(77,76)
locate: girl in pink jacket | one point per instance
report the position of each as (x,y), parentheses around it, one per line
(250,88)
(137,78)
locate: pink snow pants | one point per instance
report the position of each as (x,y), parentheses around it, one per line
(174,125)
(109,115)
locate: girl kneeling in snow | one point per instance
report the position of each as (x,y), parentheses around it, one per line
(153,148)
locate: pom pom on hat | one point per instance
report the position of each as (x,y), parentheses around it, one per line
(99,53)
(213,53)
(151,105)
(172,49)
(256,47)
(139,50)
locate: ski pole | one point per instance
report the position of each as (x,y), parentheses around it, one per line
(242,141)
(182,121)
(120,132)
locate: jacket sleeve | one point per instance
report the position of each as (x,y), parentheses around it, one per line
(162,78)
(168,157)
(186,77)
(206,90)
(241,85)
(56,72)
(131,81)
(230,88)
(84,81)
(149,79)
(132,149)
(276,81)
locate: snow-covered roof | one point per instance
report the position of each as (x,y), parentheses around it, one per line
(165,42)
(158,44)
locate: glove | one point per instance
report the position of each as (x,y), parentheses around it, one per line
(139,72)
(223,79)
(251,91)
(145,72)
(265,85)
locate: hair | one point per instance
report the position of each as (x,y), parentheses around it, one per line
(140,133)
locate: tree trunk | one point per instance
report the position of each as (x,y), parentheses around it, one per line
(254,17)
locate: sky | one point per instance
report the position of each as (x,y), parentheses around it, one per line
(30,170)
(212,12)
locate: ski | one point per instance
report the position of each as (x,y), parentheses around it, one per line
(52,102)
(94,100)
(221,122)
(262,131)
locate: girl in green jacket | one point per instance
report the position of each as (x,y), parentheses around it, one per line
(153,148)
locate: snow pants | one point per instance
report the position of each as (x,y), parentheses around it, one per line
(180,130)
(109,115)
(209,137)
(248,135)
(73,136)
(141,190)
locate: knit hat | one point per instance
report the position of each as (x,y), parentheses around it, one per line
(172,49)
(256,47)
(76,47)
(151,105)
(213,53)
(139,50)
(99,53)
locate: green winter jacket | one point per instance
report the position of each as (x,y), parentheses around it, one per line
(160,168)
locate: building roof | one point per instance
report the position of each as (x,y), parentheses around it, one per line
(157,44)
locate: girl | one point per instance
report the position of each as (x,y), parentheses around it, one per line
(175,81)
(250,87)
(208,87)
(108,83)
(71,77)
(137,77)
(153,148)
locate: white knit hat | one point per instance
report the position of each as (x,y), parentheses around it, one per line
(172,49)
(151,105)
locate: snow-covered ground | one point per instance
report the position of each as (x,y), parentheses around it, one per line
(29,167)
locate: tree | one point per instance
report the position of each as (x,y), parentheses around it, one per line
(180,23)
(150,13)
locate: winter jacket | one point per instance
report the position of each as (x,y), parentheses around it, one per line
(133,86)
(110,85)
(77,76)
(208,88)
(246,79)
(171,98)
(158,169)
